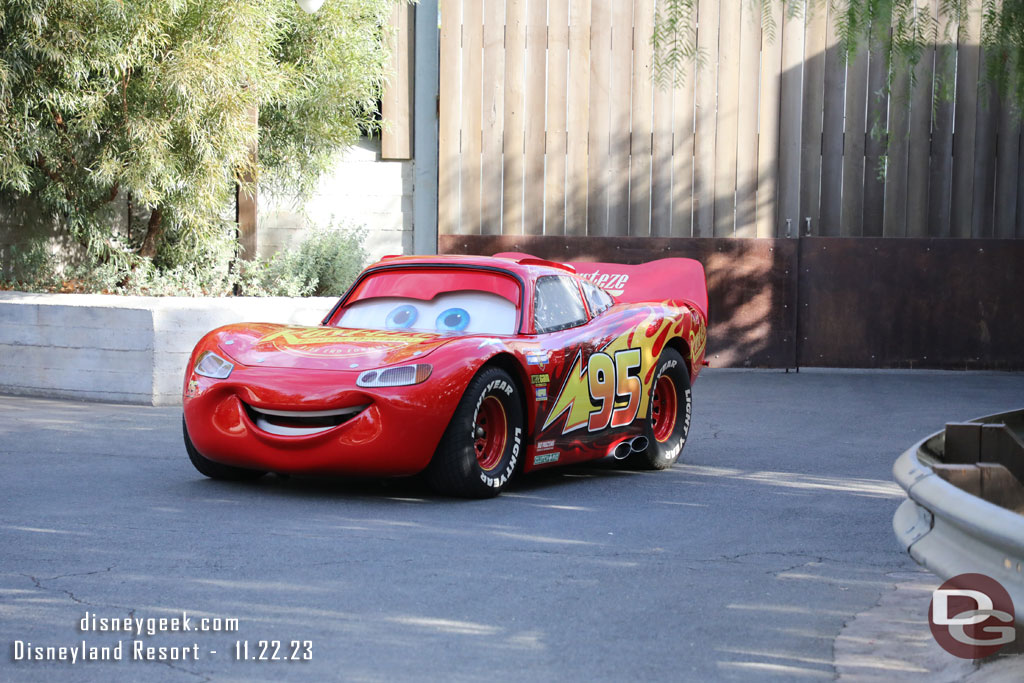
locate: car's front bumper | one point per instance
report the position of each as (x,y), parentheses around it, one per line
(394,435)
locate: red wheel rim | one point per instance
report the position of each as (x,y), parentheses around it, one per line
(489,432)
(663,408)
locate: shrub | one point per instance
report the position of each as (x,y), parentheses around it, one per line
(324,264)
(32,265)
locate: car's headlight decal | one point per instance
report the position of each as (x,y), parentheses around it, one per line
(401,376)
(212,365)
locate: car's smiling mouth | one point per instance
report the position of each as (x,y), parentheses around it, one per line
(300,423)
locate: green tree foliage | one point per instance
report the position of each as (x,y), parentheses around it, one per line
(902,27)
(99,98)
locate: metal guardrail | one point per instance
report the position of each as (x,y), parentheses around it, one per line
(950,531)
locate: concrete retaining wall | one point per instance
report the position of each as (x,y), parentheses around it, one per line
(122,349)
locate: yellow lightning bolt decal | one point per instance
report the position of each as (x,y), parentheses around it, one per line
(575,398)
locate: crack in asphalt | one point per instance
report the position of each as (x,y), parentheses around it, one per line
(67,576)
(847,620)
(39,584)
(804,557)
(175,667)
(779,572)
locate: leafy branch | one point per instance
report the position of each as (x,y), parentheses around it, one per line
(901,29)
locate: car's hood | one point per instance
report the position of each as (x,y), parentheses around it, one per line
(326,348)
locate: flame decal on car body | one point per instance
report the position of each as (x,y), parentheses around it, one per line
(312,336)
(318,342)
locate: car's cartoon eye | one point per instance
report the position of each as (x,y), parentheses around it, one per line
(402,317)
(453,320)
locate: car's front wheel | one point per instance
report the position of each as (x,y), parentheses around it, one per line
(215,470)
(480,449)
(670,407)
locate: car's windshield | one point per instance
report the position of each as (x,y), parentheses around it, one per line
(446,301)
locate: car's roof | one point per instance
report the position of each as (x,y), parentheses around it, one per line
(524,265)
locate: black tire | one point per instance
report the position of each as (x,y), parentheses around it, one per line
(470,462)
(662,454)
(215,470)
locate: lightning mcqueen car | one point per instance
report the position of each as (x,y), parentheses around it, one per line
(468,369)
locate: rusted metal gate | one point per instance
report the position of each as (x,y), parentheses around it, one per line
(831,302)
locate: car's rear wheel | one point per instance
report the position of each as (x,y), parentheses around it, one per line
(669,422)
(480,449)
(215,470)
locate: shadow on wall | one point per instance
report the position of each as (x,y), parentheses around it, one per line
(765,152)
(751,283)
(22,227)
(572,200)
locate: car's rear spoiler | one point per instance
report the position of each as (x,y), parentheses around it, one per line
(661,280)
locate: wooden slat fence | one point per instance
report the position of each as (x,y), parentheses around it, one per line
(550,125)
(396,101)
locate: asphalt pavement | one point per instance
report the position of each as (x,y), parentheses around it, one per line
(745,561)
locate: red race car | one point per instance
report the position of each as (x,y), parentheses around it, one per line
(469,369)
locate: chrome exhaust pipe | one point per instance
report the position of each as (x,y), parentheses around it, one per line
(639,444)
(621,450)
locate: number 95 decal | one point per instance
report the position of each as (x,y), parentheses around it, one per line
(607,392)
(609,381)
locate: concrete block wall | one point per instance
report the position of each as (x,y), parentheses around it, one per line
(362,190)
(121,349)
